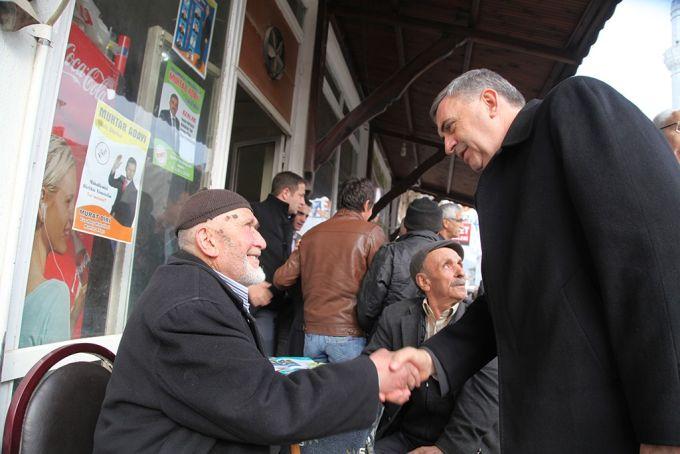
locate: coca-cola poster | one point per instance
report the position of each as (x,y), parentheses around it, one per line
(88,76)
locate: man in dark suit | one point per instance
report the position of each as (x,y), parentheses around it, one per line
(465,421)
(191,374)
(578,204)
(169,115)
(125,204)
(274,214)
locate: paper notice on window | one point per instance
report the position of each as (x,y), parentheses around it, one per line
(175,130)
(109,187)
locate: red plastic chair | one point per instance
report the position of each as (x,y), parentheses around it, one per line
(57,412)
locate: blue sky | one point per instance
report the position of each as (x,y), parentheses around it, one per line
(629,54)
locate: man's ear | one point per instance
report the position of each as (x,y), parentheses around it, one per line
(489,98)
(368,206)
(423,282)
(205,242)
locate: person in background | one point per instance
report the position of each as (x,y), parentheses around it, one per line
(46,317)
(464,421)
(388,280)
(452,221)
(299,220)
(274,215)
(668,123)
(191,373)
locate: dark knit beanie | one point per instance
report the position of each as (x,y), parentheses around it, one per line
(423,214)
(207,204)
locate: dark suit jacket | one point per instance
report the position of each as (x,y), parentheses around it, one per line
(190,377)
(123,209)
(579,215)
(165,116)
(460,422)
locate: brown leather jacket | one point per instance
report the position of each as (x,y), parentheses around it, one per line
(331,261)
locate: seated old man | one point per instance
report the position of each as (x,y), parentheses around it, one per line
(191,376)
(459,422)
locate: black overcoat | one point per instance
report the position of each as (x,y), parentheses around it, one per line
(190,377)
(579,216)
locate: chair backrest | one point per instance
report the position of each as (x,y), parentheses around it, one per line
(57,411)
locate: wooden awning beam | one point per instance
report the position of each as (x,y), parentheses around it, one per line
(412,138)
(402,185)
(383,96)
(476,36)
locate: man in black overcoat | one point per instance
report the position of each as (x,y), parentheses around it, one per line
(578,203)
(191,375)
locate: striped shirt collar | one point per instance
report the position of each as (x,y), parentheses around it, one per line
(240,290)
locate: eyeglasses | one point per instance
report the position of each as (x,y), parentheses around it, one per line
(456,219)
(676,124)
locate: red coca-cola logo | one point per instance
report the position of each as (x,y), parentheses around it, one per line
(91,79)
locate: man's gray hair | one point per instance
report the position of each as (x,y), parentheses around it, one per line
(472,83)
(664,118)
(450,210)
(185,238)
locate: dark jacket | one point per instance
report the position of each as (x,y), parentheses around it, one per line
(331,261)
(464,421)
(125,204)
(190,377)
(277,230)
(578,216)
(388,280)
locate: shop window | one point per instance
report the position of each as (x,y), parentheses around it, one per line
(299,10)
(131,139)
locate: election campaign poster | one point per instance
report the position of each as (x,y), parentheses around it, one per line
(179,113)
(193,33)
(109,192)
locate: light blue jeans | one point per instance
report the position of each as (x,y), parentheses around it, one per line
(333,349)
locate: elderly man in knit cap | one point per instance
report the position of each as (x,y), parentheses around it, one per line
(190,373)
(387,280)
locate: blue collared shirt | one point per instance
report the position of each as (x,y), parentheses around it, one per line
(240,290)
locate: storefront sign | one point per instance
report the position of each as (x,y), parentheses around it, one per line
(193,33)
(108,195)
(174,144)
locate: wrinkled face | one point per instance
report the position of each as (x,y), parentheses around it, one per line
(294,199)
(672,133)
(174,105)
(240,245)
(58,215)
(469,130)
(453,226)
(444,280)
(130,170)
(301,216)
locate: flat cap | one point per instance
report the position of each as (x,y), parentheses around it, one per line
(419,257)
(206,204)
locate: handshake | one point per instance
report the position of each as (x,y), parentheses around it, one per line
(401,371)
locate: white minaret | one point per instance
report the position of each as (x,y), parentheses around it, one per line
(672,55)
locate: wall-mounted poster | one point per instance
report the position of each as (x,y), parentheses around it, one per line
(179,113)
(109,187)
(193,33)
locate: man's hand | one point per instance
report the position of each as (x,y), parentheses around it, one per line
(418,358)
(259,294)
(394,385)
(658,449)
(426,450)
(117,162)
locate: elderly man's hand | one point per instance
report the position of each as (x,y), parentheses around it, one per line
(394,385)
(658,449)
(259,294)
(418,358)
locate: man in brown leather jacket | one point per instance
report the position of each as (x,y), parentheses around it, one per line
(331,261)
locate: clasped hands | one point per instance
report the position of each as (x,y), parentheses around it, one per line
(401,371)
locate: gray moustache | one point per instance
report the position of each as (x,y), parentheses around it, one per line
(457,282)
